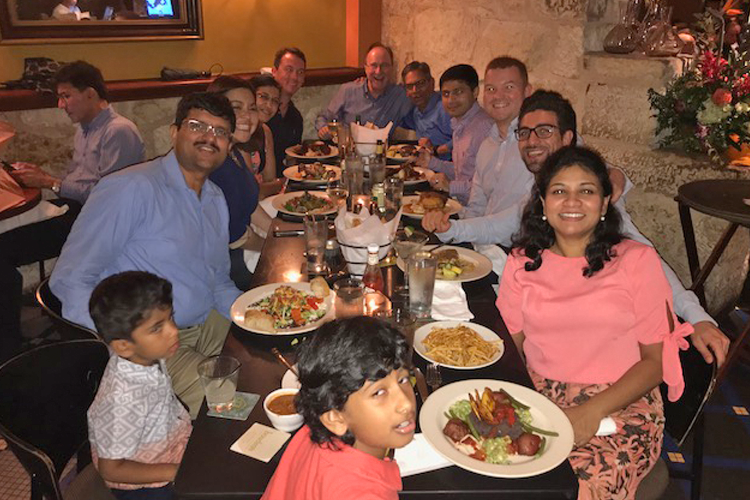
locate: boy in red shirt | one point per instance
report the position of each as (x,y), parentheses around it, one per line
(358,403)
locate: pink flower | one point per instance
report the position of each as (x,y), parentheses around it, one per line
(712,68)
(721,97)
(701,131)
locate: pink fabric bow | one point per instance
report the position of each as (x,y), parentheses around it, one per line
(673,343)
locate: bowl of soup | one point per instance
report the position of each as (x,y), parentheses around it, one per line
(281,411)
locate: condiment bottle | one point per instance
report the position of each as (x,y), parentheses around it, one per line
(373,277)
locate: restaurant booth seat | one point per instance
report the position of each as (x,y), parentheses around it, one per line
(52,307)
(44,395)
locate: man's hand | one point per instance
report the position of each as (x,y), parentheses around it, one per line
(707,338)
(32,176)
(585,423)
(324,133)
(436,221)
(425,142)
(443,149)
(423,160)
(440,182)
(617,178)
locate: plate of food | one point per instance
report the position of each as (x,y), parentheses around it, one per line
(401,152)
(457,264)
(313,173)
(284,308)
(416,206)
(410,173)
(458,344)
(312,149)
(496,428)
(308,202)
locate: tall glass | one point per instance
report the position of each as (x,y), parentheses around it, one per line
(394,192)
(375,167)
(422,268)
(333,129)
(337,192)
(354,175)
(219,375)
(406,242)
(316,234)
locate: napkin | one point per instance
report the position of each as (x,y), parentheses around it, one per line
(371,230)
(419,456)
(43,211)
(251,259)
(366,138)
(267,205)
(449,302)
(496,255)
(260,442)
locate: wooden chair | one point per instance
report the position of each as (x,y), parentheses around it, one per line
(52,307)
(44,395)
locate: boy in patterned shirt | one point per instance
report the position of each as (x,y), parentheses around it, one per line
(138,429)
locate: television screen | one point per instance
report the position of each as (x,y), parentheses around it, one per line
(159,8)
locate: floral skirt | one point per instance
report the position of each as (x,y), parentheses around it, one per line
(612,467)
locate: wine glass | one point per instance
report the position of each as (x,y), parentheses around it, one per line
(337,192)
(406,242)
(333,129)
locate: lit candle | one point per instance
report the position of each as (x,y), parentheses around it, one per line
(374,302)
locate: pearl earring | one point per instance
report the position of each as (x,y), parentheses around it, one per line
(544,217)
(602,218)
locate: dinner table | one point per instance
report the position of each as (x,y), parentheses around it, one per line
(210,470)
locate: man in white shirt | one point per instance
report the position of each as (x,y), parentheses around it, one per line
(64,9)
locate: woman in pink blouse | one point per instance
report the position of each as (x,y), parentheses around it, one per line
(591,311)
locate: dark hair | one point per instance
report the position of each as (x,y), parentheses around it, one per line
(288,50)
(122,302)
(503,62)
(548,100)
(338,360)
(461,72)
(216,104)
(225,83)
(376,45)
(82,75)
(537,235)
(421,67)
(259,81)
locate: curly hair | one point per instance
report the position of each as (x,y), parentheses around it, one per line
(338,360)
(536,234)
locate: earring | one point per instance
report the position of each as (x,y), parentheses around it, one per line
(602,218)
(544,217)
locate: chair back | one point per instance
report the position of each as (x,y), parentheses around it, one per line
(52,306)
(700,380)
(44,395)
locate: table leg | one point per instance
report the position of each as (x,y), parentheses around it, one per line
(716,253)
(690,247)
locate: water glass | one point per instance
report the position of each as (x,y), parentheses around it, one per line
(337,192)
(394,192)
(349,298)
(333,129)
(401,318)
(316,234)
(354,175)
(422,268)
(375,167)
(218,375)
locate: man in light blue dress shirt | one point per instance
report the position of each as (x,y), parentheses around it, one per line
(165,217)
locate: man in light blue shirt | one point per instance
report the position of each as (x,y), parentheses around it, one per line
(376,99)
(428,118)
(165,217)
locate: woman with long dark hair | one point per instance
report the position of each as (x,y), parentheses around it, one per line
(590,311)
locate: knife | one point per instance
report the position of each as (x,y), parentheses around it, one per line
(421,384)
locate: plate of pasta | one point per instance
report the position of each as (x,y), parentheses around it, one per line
(458,344)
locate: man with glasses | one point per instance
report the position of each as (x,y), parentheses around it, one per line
(376,99)
(428,118)
(289,71)
(165,217)
(459,88)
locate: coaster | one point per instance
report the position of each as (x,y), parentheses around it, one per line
(244,402)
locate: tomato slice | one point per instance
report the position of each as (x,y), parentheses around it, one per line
(297,316)
(313,303)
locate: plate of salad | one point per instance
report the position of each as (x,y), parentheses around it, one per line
(309,202)
(282,309)
(496,428)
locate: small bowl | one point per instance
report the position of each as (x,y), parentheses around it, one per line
(286,423)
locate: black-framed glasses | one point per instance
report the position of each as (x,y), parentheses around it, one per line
(543,131)
(198,127)
(419,84)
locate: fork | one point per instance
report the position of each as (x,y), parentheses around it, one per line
(433,377)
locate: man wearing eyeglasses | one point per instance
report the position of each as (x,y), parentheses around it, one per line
(428,118)
(165,217)
(376,99)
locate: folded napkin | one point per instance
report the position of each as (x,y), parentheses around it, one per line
(366,138)
(43,211)
(354,239)
(449,302)
(496,255)
(267,205)
(251,259)
(418,457)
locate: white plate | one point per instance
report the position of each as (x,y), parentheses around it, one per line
(451,206)
(290,152)
(485,333)
(427,174)
(292,173)
(400,159)
(240,305)
(545,414)
(290,380)
(280,200)
(482,265)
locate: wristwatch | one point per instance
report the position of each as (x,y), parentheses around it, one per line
(56,186)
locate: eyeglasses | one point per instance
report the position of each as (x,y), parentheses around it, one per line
(262,96)
(416,85)
(198,127)
(541,131)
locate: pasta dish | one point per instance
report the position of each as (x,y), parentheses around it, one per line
(459,346)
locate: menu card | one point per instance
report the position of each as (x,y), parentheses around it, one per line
(260,442)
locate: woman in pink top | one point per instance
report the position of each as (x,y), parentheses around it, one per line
(591,312)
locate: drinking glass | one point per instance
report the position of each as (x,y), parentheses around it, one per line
(422,268)
(316,234)
(333,129)
(354,174)
(337,192)
(406,243)
(400,317)
(375,168)
(349,298)
(344,135)
(219,378)
(394,192)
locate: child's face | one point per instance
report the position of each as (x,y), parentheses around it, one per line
(154,339)
(382,414)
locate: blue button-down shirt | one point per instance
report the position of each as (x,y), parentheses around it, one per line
(354,99)
(434,123)
(107,144)
(147,218)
